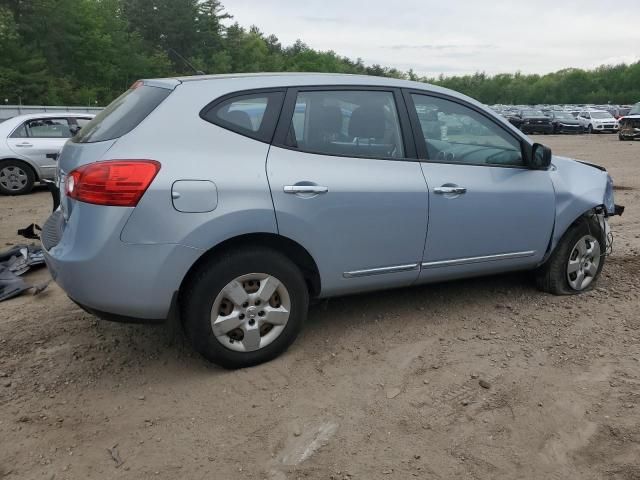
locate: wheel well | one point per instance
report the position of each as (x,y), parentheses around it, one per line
(36,177)
(293,250)
(584,215)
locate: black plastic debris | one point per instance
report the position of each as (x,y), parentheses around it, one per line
(31,232)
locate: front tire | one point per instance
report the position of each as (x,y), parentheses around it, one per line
(577,261)
(16,177)
(590,129)
(244,307)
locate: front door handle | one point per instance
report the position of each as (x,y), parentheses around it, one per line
(450,190)
(305,189)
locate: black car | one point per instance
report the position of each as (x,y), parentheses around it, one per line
(565,122)
(513,118)
(534,121)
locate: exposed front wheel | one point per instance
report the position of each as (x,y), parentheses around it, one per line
(16,177)
(577,261)
(245,307)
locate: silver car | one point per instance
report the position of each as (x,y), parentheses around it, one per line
(29,146)
(231,201)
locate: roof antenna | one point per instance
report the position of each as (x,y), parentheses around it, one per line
(190,65)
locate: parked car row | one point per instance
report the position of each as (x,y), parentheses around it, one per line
(537,120)
(616,111)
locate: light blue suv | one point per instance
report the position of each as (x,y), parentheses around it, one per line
(233,200)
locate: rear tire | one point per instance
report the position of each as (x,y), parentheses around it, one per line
(16,177)
(224,288)
(579,252)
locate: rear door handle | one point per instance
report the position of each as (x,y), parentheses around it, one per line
(24,144)
(450,190)
(305,189)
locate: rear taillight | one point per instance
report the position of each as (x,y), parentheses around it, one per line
(119,183)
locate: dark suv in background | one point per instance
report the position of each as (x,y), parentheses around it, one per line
(534,121)
(565,122)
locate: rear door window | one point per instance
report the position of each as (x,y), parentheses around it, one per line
(20,132)
(347,123)
(43,128)
(123,114)
(251,114)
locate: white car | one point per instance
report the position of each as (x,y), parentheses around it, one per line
(29,147)
(598,121)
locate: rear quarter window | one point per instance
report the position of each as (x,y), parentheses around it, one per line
(250,114)
(123,114)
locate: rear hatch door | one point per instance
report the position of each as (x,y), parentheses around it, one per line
(94,140)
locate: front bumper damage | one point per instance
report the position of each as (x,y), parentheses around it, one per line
(603,220)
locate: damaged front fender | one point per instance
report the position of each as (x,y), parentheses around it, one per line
(579,188)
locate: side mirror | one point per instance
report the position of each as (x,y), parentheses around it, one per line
(540,157)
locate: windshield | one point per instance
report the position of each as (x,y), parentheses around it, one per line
(123,114)
(601,115)
(532,113)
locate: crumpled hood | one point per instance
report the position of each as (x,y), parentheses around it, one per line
(579,187)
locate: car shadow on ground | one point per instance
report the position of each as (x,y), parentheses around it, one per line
(436,303)
(445,296)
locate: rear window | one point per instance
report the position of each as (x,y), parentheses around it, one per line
(122,115)
(251,114)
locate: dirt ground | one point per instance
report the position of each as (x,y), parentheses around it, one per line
(378,386)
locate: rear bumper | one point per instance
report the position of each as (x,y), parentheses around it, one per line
(112,317)
(115,280)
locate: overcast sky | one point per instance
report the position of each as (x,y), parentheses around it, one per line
(456,36)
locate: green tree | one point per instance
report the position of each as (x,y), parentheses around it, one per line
(83,51)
